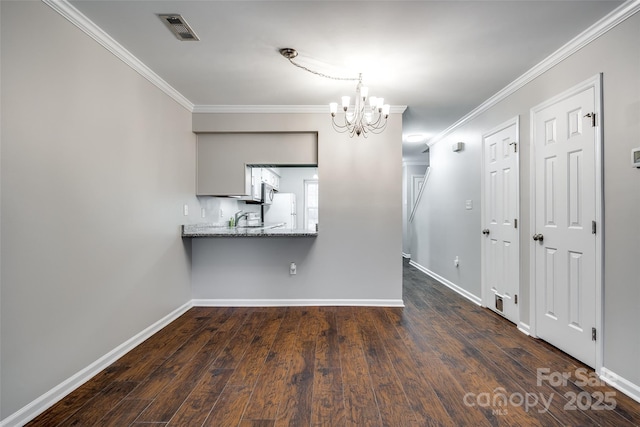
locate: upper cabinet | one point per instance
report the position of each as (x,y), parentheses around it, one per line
(223,160)
(270,176)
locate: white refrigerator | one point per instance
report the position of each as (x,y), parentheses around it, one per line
(282,209)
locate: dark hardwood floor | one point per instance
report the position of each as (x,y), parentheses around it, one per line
(440,361)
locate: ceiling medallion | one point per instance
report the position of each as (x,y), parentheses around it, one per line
(369,114)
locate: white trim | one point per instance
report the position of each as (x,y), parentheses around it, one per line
(524,328)
(617,16)
(468,295)
(515,121)
(413,163)
(44,402)
(406,255)
(599,218)
(261,109)
(275,109)
(596,83)
(532,226)
(77,18)
(616,381)
(73,15)
(297,302)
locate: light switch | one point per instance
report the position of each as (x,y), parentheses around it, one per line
(468,204)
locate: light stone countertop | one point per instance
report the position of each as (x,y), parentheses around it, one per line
(221,230)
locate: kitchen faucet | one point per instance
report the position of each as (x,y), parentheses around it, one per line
(239,216)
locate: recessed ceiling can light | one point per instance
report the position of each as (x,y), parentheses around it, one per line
(418,137)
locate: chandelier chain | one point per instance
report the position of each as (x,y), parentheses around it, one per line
(324,75)
(368,115)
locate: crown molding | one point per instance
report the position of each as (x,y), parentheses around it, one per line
(261,109)
(275,109)
(615,17)
(73,15)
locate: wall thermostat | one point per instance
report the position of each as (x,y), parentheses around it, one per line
(635,157)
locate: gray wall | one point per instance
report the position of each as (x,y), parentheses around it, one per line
(222,159)
(444,229)
(357,252)
(96,165)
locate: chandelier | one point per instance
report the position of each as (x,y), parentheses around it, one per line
(363,117)
(369,114)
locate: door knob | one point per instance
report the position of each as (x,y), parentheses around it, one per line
(485,232)
(538,237)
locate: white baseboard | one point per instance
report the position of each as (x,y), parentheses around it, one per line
(297,302)
(524,328)
(406,255)
(42,403)
(468,295)
(616,381)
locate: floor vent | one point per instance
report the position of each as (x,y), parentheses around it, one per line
(179,27)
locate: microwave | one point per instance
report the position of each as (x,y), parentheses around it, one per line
(261,193)
(267,193)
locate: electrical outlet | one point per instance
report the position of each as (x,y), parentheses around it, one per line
(203,212)
(293,269)
(221,213)
(185,210)
(456,262)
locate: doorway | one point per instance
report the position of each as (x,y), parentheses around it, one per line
(500,267)
(566,221)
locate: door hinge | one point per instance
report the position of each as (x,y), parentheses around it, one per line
(592,116)
(515,299)
(593,227)
(593,334)
(515,223)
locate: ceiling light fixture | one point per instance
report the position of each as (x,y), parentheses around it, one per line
(418,137)
(369,114)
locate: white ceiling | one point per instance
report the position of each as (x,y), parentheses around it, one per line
(439,58)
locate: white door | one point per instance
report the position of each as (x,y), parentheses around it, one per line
(500,248)
(417,181)
(565,265)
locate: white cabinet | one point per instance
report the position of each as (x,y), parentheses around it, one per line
(269,176)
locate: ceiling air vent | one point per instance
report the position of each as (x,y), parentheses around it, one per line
(179,27)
